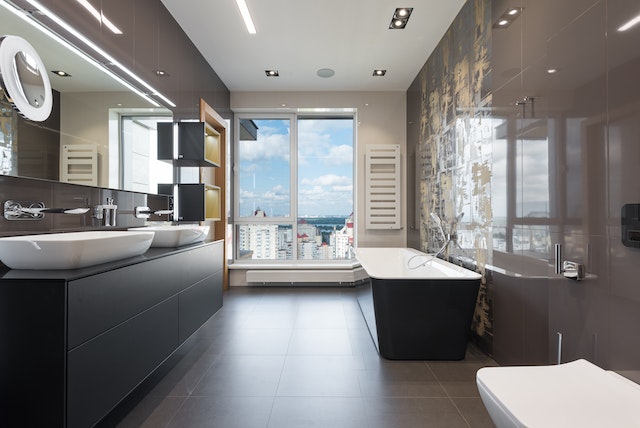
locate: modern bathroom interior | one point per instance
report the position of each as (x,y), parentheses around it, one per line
(479,269)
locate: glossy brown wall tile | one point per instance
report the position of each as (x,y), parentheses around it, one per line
(63,195)
(564,157)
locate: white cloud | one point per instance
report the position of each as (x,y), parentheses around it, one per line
(268,146)
(328,180)
(340,155)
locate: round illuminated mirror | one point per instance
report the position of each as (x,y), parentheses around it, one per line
(24,78)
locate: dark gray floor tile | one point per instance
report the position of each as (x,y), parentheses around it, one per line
(376,406)
(320,319)
(320,376)
(313,341)
(320,412)
(300,357)
(461,388)
(418,420)
(258,341)
(223,412)
(455,370)
(242,375)
(381,388)
(265,319)
(474,412)
(407,371)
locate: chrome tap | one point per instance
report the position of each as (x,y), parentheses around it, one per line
(35,210)
(106,212)
(145,212)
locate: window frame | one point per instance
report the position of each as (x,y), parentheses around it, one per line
(292,219)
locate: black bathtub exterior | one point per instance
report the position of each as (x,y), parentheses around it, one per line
(419,319)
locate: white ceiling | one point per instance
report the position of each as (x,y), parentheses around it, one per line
(298,37)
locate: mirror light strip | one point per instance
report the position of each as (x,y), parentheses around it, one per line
(630,24)
(246,16)
(25,17)
(96,48)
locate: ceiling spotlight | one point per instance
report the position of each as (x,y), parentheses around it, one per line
(61,73)
(161,73)
(552,71)
(508,17)
(272,73)
(379,72)
(400,18)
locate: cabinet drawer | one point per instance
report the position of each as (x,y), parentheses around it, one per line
(198,303)
(100,302)
(105,369)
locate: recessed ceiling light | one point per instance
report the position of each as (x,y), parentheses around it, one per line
(379,72)
(61,73)
(552,71)
(508,17)
(272,73)
(246,16)
(161,73)
(325,72)
(400,18)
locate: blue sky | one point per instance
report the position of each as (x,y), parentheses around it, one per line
(325,168)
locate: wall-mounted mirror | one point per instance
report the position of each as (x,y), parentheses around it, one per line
(99,132)
(24,78)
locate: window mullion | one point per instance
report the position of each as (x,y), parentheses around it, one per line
(294,181)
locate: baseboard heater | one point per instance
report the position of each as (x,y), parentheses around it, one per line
(306,276)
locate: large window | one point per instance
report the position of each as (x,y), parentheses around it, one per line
(294,187)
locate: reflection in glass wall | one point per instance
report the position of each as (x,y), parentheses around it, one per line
(140,169)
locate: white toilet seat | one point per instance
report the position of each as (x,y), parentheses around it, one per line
(575,394)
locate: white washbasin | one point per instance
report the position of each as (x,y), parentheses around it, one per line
(72,250)
(175,235)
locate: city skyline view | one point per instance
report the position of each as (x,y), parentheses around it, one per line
(324,168)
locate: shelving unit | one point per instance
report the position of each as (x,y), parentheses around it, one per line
(216,178)
(199,202)
(199,144)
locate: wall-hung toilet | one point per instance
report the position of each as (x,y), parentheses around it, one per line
(575,394)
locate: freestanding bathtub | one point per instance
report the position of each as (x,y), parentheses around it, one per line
(416,306)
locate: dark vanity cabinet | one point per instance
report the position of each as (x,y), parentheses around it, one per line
(75,343)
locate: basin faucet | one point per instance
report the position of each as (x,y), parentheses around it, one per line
(35,210)
(145,212)
(106,212)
